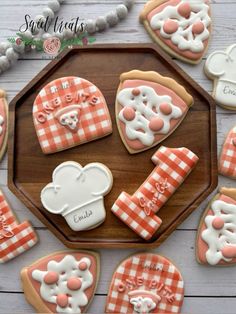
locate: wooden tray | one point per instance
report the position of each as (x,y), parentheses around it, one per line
(30,170)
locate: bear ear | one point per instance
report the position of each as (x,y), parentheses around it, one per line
(215,64)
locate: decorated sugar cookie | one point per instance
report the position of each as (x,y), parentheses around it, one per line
(145,283)
(3,123)
(220,67)
(149,107)
(63,282)
(68,112)
(138,211)
(180,27)
(227,160)
(216,240)
(77,194)
(15,238)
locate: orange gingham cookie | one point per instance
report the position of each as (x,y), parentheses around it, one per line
(145,283)
(15,238)
(68,112)
(138,211)
(227,161)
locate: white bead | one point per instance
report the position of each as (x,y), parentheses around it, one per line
(11,55)
(19,48)
(128,3)
(54,5)
(68,34)
(27,34)
(3,47)
(59,35)
(121,11)
(112,18)
(90,26)
(4,63)
(40,18)
(61,1)
(46,36)
(101,23)
(47,12)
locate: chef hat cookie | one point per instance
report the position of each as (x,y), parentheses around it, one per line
(3,123)
(77,194)
(216,239)
(220,67)
(181,27)
(149,107)
(145,283)
(70,111)
(227,160)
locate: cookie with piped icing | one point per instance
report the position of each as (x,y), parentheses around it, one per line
(149,107)
(227,160)
(63,282)
(181,27)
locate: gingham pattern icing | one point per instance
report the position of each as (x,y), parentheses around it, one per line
(227,161)
(94,118)
(146,272)
(138,211)
(14,238)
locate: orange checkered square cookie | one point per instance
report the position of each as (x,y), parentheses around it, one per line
(145,283)
(227,161)
(70,111)
(15,238)
(138,211)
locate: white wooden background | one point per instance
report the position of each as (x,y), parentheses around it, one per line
(208,290)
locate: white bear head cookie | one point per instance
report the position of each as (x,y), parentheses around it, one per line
(77,193)
(221,67)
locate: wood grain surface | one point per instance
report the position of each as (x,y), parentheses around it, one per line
(208,290)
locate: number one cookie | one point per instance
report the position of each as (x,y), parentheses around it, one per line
(14,238)
(138,211)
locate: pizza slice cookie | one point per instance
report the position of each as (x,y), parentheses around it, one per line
(181,27)
(227,160)
(216,239)
(145,283)
(149,107)
(63,282)
(70,111)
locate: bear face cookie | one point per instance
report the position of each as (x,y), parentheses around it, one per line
(77,193)
(145,283)
(70,111)
(181,27)
(3,123)
(220,67)
(216,239)
(149,107)
(63,282)
(227,160)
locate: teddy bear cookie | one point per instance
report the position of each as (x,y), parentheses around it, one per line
(63,282)
(220,67)
(77,194)
(227,160)
(3,123)
(138,211)
(149,107)
(181,27)
(216,238)
(15,238)
(70,111)
(145,283)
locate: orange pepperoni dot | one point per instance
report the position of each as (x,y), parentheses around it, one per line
(218,223)
(165,108)
(156,124)
(129,113)
(136,91)
(74,283)
(83,266)
(62,300)
(170,26)
(184,10)
(198,28)
(51,277)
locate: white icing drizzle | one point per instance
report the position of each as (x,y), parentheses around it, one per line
(66,268)
(146,106)
(218,239)
(184,37)
(1,123)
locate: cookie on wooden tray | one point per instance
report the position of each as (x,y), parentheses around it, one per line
(3,123)
(220,67)
(70,111)
(181,27)
(15,238)
(138,211)
(216,238)
(63,282)
(77,194)
(145,283)
(149,107)
(227,160)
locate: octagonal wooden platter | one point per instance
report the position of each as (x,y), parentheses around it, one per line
(30,170)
